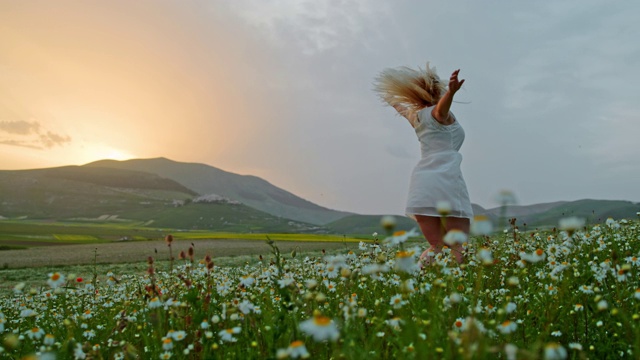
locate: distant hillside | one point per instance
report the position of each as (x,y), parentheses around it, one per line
(217,217)
(548,214)
(594,211)
(520,210)
(250,190)
(60,193)
(108,177)
(107,194)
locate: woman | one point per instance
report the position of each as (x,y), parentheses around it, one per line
(437,188)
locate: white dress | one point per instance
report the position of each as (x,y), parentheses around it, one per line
(437,176)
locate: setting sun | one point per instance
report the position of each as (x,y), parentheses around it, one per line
(114,154)
(103,152)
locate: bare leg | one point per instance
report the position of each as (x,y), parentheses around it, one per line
(461,224)
(431,227)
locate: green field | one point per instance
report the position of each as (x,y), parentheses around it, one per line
(29,233)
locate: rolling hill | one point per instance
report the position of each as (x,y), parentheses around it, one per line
(548,214)
(94,194)
(249,190)
(594,211)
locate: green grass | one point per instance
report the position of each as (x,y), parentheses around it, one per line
(12,247)
(75,238)
(46,231)
(27,232)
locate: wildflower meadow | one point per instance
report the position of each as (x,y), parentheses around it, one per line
(571,292)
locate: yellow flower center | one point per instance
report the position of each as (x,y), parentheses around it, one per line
(321,320)
(297,343)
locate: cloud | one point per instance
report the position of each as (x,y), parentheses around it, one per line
(614,140)
(311,26)
(20,144)
(31,135)
(20,127)
(51,139)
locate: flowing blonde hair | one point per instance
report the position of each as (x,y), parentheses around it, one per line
(409,89)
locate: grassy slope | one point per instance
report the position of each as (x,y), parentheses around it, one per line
(521,210)
(250,190)
(33,233)
(131,179)
(216,217)
(92,192)
(592,210)
(62,193)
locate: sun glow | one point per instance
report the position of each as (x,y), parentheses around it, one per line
(95,152)
(117,155)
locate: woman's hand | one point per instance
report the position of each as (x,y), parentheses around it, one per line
(454,83)
(441,111)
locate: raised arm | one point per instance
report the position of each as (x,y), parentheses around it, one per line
(441,111)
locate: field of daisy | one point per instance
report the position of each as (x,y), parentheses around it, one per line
(572,292)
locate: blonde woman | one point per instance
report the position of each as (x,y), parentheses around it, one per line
(437,188)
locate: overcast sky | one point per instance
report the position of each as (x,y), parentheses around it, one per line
(281,89)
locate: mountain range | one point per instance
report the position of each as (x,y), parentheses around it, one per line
(164,193)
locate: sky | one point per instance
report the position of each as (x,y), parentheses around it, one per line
(282,89)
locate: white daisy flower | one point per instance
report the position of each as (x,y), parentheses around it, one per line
(507,327)
(320,328)
(227,334)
